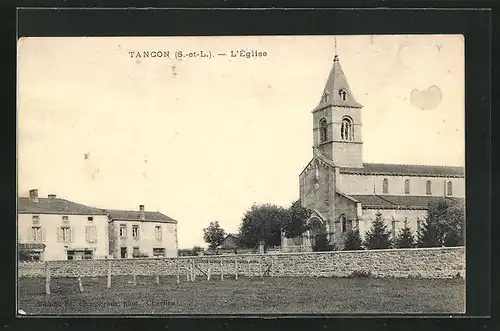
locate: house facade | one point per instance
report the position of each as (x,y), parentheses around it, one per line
(57,229)
(141,234)
(344,192)
(231,241)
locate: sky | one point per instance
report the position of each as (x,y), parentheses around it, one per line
(202,139)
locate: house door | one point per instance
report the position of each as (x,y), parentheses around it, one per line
(123,252)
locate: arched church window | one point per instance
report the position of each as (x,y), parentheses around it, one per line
(346,129)
(407,186)
(343,95)
(428,188)
(325,97)
(323,126)
(343,223)
(449,188)
(385,186)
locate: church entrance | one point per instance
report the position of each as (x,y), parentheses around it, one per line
(316,228)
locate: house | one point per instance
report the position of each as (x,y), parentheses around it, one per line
(140,233)
(57,229)
(345,192)
(231,241)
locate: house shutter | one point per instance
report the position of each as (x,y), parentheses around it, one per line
(42,231)
(90,234)
(59,234)
(71,234)
(87,234)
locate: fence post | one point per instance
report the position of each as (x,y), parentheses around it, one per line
(47,278)
(177,267)
(80,285)
(208,271)
(249,271)
(194,270)
(272,267)
(260,266)
(187,271)
(236,268)
(221,270)
(109,273)
(134,273)
(191,266)
(158,271)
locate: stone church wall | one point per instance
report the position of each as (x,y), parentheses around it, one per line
(412,216)
(364,184)
(316,194)
(426,263)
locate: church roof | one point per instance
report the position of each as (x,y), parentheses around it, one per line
(398,201)
(405,169)
(335,85)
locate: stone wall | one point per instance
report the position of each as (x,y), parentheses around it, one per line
(426,263)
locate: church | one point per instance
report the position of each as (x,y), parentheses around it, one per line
(344,192)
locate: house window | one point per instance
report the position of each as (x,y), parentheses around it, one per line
(158,252)
(449,188)
(158,232)
(90,234)
(36,219)
(135,252)
(346,129)
(323,126)
(428,188)
(65,218)
(343,95)
(123,231)
(123,252)
(64,234)
(36,233)
(385,186)
(135,231)
(85,254)
(407,186)
(90,219)
(31,256)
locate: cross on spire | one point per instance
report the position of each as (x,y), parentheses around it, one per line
(336,57)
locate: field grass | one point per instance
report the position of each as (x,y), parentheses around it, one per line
(243,296)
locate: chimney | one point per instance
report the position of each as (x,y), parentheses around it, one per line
(34,195)
(142,213)
(52,196)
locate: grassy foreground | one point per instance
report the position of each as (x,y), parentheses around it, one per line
(243,296)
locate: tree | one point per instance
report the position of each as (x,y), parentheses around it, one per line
(321,243)
(443,225)
(378,237)
(263,223)
(352,241)
(295,223)
(214,235)
(405,238)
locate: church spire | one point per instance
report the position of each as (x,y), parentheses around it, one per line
(337,91)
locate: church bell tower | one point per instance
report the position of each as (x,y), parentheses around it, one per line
(337,121)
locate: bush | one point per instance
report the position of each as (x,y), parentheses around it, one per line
(405,238)
(378,237)
(352,241)
(360,274)
(321,243)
